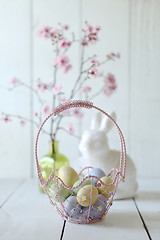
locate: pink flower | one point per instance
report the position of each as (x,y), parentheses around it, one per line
(66,27)
(22,122)
(70,129)
(86,89)
(44,31)
(93,71)
(45,109)
(6,119)
(60,60)
(35,114)
(110,84)
(14,81)
(63,43)
(41,86)
(66,68)
(77,113)
(56,89)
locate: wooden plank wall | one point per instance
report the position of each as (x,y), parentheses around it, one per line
(128,26)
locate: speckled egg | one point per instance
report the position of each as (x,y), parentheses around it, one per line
(105,190)
(97,209)
(68,175)
(97,172)
(59,193)
(84,183)
(87,195)
(72,208)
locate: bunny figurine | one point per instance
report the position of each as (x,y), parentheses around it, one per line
(96,153)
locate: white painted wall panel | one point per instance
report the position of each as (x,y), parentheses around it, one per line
(15,146)
(129,27)
(145,86)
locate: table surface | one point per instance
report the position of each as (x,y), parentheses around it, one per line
(27,214)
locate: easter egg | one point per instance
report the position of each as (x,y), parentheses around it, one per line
(68,175)
(87,195)
(105,190)
(72,208)
(59,194)
(97,209)
(84,183)
(97,172)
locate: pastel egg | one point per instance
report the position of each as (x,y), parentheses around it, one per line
(68,175)
(59,194)
(97,209)
(72,208)
(84,183)
(97,172)
(105,190)
(87,195)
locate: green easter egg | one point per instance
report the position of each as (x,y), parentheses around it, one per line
(84,183)
(58,194)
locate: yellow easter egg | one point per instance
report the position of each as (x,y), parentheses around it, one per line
(87,195)
(68,175)
(104,190)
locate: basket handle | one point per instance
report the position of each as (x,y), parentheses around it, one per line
(89,105)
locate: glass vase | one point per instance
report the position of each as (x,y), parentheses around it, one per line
(51,161)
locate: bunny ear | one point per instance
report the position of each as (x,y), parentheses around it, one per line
(107,124)
(96,121)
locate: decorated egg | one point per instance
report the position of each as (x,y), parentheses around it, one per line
(68,175)
(59,193)
(105,190)
(97,172)
(72,208)
(87,195)
(97,209)
(84,183)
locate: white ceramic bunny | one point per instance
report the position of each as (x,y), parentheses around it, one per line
(96,153)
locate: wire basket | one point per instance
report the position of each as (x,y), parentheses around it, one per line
(90,199)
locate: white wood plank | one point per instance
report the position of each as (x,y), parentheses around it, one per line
(7,188)
(112,17)
(122,222)
(29,215)
(14,62)
(145,86)
(148,202)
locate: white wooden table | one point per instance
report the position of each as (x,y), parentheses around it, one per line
(26,214)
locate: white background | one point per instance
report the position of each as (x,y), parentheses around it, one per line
(130,27)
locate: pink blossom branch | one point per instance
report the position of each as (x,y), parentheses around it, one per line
(26,120)
(96,94)
(30,88)
(62,128)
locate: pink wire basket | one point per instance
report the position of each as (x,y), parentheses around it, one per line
(64,198)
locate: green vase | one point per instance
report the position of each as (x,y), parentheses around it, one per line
(51,161)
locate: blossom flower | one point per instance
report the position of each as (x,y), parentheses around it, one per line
(45,109)
(56,89)
(6,119)
(44,31)
(110,84)
(66,27)
(61,60)
(35,114)
(93,71)
(70,129)
(41,86)
(14,81)
(66,68)
(86,89)
(77,113)
(62,43)
(22,122)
